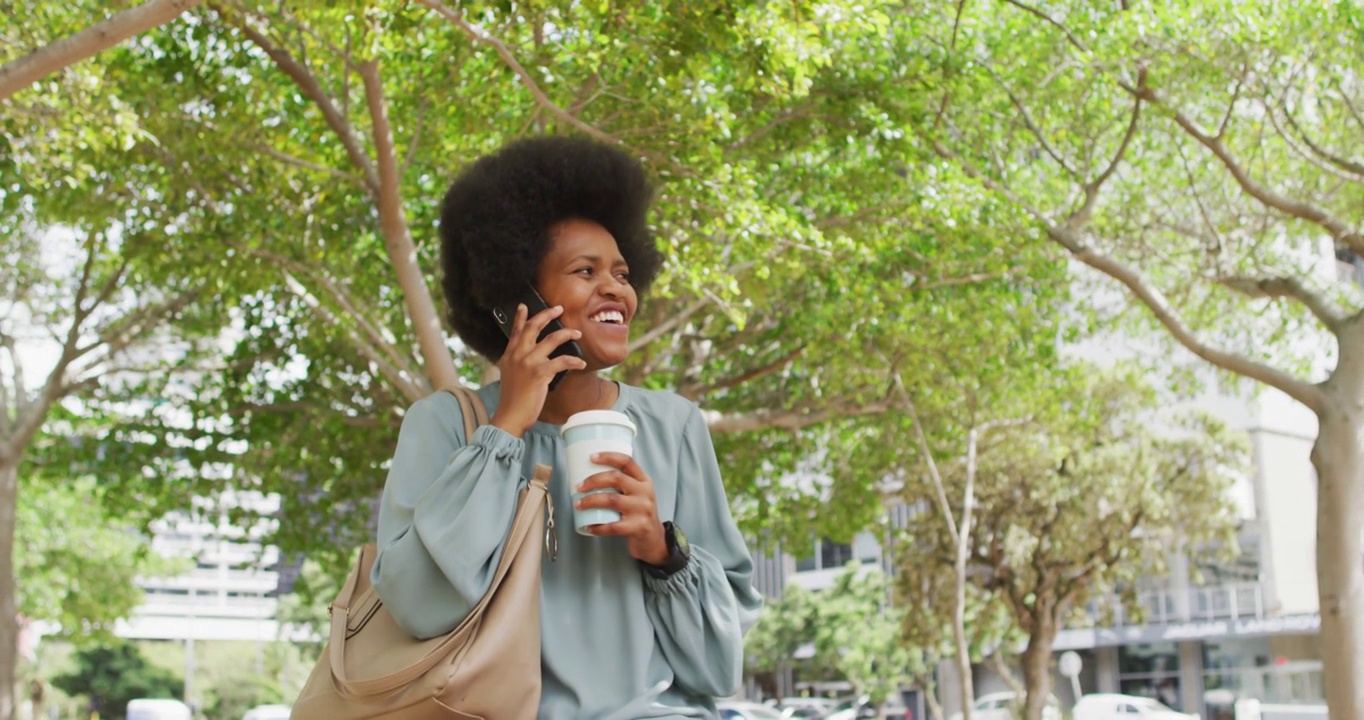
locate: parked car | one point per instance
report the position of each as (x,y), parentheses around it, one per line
(267,712)
(805,708)
(1108,706)
(1004,705)
(157,709)
(733,710)
(862,709)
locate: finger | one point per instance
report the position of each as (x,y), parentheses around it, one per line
(553,340)
(565,362)
(542,318)
(628,525)
(630,507)
(604,480)
(622,462)
(620,527)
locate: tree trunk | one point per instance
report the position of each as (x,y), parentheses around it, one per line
(1339,459)
(968,692)
(9,613)
(1037,667)
(930,691)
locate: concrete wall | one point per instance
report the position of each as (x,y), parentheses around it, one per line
(1286,497)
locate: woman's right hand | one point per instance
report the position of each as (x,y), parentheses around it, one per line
(526,369)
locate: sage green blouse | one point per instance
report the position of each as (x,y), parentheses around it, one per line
(616,643)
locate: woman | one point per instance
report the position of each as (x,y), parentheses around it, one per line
(645,617)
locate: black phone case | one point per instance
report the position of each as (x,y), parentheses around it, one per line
(505,316)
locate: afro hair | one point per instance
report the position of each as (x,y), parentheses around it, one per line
(496,219)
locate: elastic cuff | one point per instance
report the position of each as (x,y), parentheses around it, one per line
(676,583)
(504,446)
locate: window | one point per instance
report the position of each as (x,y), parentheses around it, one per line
(834,555)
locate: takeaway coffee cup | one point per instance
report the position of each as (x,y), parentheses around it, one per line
(588,433)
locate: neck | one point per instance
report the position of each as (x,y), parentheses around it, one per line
(578,391)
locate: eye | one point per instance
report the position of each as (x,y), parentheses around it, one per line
(588,271)
(623,275)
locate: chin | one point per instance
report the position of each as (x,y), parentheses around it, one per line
(604,360)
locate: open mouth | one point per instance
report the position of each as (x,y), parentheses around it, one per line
(609,317)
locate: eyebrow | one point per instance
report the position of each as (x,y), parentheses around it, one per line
(596,259)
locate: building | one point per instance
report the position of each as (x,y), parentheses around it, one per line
(1209,635)
(1212,635)
(231,591)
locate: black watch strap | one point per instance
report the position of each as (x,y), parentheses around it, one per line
(679,553)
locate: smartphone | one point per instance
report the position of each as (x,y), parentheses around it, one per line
(506,318)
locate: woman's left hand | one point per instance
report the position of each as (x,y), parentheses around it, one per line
(636,502)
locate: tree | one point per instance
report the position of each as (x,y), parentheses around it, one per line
(324,170)
(1093,492)
(959,526)
(87,292)
(787,625)
(295,209)
(18,74)
(1199,155)
(860,630)
(76,566)
(305,610)
(856,629)
(111,675)
(813,262)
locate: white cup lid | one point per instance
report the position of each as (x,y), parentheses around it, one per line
(597,417)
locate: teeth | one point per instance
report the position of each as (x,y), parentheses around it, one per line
(609,316)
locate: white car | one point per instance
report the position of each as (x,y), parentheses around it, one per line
(157,709)
(267,712)
(1107,706)
(1001,706)
(730,710)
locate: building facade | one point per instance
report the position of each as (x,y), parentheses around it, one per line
(232,589)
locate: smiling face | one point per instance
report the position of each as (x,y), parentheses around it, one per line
(584,271)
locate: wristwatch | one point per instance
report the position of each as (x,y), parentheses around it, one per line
(679,553)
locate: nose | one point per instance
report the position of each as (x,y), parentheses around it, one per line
(612,288)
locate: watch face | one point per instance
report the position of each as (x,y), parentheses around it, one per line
(681,541)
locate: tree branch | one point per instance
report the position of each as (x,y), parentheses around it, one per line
(769,126)
(1306,393)
(415,142)
(307,164)
(478,34)
(1068,236)
(405,384)
(19,74)
(1299,209)
(348,303)
(1028,123)
(402,251)
(1070,36)
(1274,288)
(119,334)
(939,488)
(7,342)
(793,419)
(312,89)
(746,376)
(669,325)
(1091,189)
(1343,168)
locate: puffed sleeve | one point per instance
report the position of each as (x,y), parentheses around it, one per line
(444,516)
(700,613)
